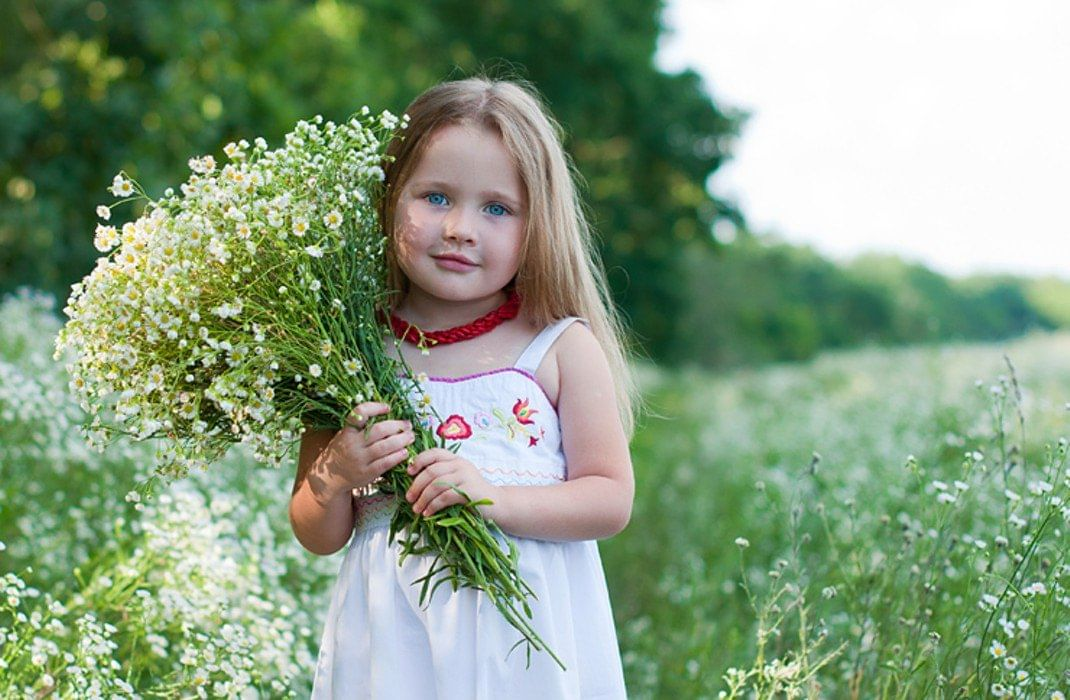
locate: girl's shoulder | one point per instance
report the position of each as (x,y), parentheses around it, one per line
(577,351)
(569,351)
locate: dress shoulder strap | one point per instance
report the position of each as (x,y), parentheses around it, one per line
(531,358)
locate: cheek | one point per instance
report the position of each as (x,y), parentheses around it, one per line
(411,230)
(508,248)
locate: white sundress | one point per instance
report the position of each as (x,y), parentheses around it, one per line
(379,643)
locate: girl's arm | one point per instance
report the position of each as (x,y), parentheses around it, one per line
(321,505)
(596,501)
(331,464)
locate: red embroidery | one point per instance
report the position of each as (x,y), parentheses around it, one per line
(523,413)
(454,428)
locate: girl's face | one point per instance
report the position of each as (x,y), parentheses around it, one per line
(460,218)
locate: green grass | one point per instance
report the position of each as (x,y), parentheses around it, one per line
(827,467)
(855,581)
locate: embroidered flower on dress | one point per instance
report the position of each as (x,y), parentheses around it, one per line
(532,440)
(523,413)
(482,420)
(454,428)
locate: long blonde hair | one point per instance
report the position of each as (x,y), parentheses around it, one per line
(560,273)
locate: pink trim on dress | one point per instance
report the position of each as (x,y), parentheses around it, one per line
(466,377)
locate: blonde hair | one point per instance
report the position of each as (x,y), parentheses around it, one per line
(560,273)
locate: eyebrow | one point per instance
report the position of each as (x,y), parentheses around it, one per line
(491,194)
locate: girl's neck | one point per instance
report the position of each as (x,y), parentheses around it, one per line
(430,313)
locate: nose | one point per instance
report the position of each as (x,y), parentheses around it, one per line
(459,227)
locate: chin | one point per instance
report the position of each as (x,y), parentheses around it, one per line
(450,293)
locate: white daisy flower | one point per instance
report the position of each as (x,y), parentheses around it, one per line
(300,227)
(1037,588)
(742,542)
(121,187)
(332,219)
(1039,487)
(314,250)
(997,650)
(106,238)
(315,370)
(103,212)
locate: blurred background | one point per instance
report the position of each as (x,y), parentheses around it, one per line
(864,198)
(782,177)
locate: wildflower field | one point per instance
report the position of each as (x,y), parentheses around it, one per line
(875,523)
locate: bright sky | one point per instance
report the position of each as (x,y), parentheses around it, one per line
(935,129)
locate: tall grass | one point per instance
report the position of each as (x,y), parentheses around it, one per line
(872,524)
(201,593)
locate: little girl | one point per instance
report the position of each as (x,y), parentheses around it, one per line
(492,259)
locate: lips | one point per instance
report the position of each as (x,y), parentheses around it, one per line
(454,257)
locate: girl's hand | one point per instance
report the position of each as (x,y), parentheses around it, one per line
(368,452)
(437,469)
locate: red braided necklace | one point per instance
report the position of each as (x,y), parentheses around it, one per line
(410,333)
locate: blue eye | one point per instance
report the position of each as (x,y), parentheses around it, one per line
(435,194)
(499,210)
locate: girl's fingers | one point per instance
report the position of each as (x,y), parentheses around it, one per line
(391,444)
(421,489)
(429,494)
(429,457)
(386,428)
(358,417)
(445,499)
(385,464)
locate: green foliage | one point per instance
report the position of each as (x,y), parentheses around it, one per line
(761,300)
(204,587)
(1051,297)
(879,497)
(857,579)
(88,89)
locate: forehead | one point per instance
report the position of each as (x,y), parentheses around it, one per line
(468,156)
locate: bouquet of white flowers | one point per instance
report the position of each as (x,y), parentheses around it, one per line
(248,309)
